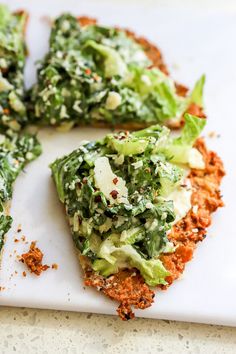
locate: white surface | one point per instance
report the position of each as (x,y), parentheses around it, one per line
(195,42)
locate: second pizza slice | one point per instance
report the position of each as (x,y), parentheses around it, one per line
(104,76)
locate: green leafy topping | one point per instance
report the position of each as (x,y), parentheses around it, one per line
(180,148)
(117,197)
(15,153)
(12,60)
(196,95)
(191,130)
(112,256)
(100,74)
(113,62)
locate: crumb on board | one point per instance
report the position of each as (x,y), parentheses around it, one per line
(55,266)
(213,134)
(24,274)
(2,288)
(19,228)
(33,259)
(16,240)
(46,19)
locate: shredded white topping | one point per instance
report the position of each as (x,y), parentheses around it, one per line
(112,186)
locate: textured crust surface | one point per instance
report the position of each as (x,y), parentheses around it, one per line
(206,199)
(155,56)
(23,12)
(127,286)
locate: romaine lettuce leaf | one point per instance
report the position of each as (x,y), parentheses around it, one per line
(191,130)
(129,146)
(196,96)
(5,15)
(113,63)
(158,91)
(138,142)
(15,152)
(179,149)
(133,235)
(157,140)
(113,256)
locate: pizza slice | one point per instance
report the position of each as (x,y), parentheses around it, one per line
(105,76)
(12,60)
(137,204)
(15,152)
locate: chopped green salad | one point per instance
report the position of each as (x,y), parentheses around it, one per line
(12,60)
(122,195)
(15,152)
(96,74)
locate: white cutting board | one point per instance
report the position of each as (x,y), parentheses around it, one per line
(193,42)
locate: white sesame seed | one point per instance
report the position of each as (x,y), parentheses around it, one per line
(149,205)
(137,164)
(195,230)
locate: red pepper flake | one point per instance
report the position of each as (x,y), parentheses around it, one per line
(88,71)
(4,70)
(55,266)
(19,229)
(98,199)
(115,180)
(114,194)
(24,274)
(33,259)
(16,240)
(6,111)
